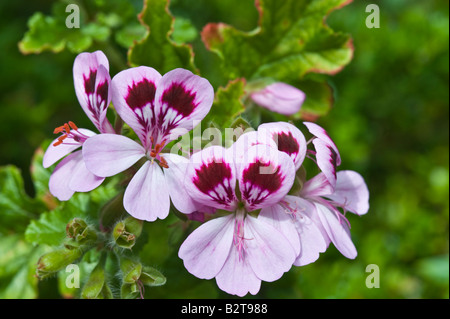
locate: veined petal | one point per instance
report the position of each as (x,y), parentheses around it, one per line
(313,238)
(147,195)
(91,81)
(206,249)
(237,276)
(55,153)
(182,99)
(288,138)
(277,217)
(326,160)
(268,251)
(337,231)
(319,185)
(322,135)
(133,96)
(82,180)
(108,154)
(175,176)
(211,178)
(351,192)
(265,178)
(239,150)
(59,180)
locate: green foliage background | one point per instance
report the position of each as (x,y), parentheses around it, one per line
(389,121)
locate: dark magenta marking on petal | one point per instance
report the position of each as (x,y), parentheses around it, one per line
(287,143)
(179,99)
(260,178)
(102,91)
(141,94)
(89,82)
(209,176)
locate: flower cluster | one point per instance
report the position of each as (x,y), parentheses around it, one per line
(256,224)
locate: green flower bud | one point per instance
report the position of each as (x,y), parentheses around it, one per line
(152,277)
(131,270)
(96,286)
(79,233)
(127,231)
(56,260)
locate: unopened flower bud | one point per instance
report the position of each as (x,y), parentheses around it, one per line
(56,260)
(127,231)
(280,97)
(96,286)
(79,233)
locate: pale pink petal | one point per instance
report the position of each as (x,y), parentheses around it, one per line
(89,89)
(269,252)
(313,237)
(82,180)
(175,176)
(55,153)
(326,160)
(61,175)
(236,276)
(265,178)
(206,249)
(182,99)
(351,192)
(211,178)
(288,138)
(280,97)
(319,185)
(108,154)
(102,99)
(337,230)
(133,96)
(239,150)
(284,222)
(322,135)
(147,195)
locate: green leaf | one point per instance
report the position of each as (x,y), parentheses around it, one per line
(227,104)
(16,207)
(157,49)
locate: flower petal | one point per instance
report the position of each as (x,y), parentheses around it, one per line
(337,231)
(277,217)
(319,185)
(211,178)
(236,276)
(82,180)
(91,81)
(206,249)
(351,192)
(326,160)
(182,99)
(239,150)
(55,153)
(133,96)
(280,97)
(175,176)
(59,180)
(108,154)
(288,138)
(321,134)
(147,195)
(269,252)
(265,178)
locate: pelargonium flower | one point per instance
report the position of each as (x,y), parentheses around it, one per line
(239,250)
(314,211)
(155,107)
(92,87)
(280,97)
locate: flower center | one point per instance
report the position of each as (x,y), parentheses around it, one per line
(155,151)
(69,130)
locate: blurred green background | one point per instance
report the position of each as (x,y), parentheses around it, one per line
(390,122)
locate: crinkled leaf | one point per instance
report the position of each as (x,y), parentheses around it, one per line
(157,49)
(227,104)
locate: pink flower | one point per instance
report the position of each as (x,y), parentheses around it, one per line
(154,106)
(280,97)
(239,250)
(92,87)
